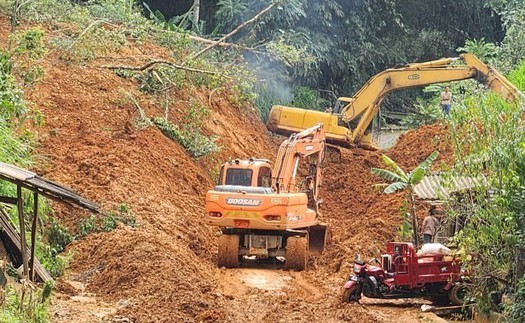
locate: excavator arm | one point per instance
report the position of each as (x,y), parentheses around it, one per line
(350,121)
(309,143)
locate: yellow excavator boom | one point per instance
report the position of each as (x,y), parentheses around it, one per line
(350,121)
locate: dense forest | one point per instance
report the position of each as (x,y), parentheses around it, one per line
(336,46)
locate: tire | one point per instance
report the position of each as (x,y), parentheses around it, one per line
(350,295)
(458,294)
(296,253)
(228,255)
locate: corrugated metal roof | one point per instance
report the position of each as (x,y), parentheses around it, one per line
(440,186)
(44,186)
(15,172)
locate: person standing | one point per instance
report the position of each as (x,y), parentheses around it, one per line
(446,99)
(430,226)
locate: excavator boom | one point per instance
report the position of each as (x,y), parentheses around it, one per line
(350,122)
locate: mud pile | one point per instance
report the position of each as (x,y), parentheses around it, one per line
(164,269)
(414,146)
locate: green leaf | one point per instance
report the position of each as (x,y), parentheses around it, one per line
(394,167)
(417,175)
(430,159)
(394,187)
(388,175)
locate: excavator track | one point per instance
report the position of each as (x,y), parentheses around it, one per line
(296,253)
(228,255)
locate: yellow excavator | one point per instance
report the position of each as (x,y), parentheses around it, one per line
(350,121)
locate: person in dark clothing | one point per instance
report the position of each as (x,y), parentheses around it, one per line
(430,226)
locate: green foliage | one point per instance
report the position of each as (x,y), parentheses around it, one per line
(30,43)
(516,310)
(58,236)
(306,98)
(230,13)
(265,100)
(405,229)
(293,51)
(424,114)
(29,49)
(513,46)
(108,222)
(87,225)
(159,79)
(55,263)
(25,306)
(195,143)
(47,290)
(90,44)
(12,103)
(100,26)
(489,140)
(400,180)
(190,135)
(517,77)
(483,50)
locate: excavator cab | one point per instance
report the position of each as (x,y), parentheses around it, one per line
(248,172)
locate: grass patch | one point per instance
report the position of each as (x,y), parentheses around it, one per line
(189,133)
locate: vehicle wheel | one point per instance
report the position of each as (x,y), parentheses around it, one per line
(228,255)
(458,294)
(350,295)
(296,253)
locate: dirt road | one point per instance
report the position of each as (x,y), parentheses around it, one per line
(266,294)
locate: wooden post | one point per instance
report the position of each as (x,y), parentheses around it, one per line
(33,237)
(23,246)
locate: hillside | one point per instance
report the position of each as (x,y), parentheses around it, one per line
(163,269)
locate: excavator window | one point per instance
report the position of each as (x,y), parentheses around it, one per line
(238,176)
(339,105)
(264,179)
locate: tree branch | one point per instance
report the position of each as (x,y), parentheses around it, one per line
(226,45)
(235,31)
(154,62)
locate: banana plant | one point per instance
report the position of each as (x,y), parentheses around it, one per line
(402,181)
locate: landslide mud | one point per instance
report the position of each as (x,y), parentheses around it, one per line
(164,269)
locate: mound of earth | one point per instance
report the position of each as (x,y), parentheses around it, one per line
(164,268)
(362,218)
(414,146)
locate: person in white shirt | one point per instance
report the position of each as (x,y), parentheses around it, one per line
(446,99)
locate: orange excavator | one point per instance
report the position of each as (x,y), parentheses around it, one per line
(269,213)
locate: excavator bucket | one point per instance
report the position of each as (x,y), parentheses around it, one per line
(317,238)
